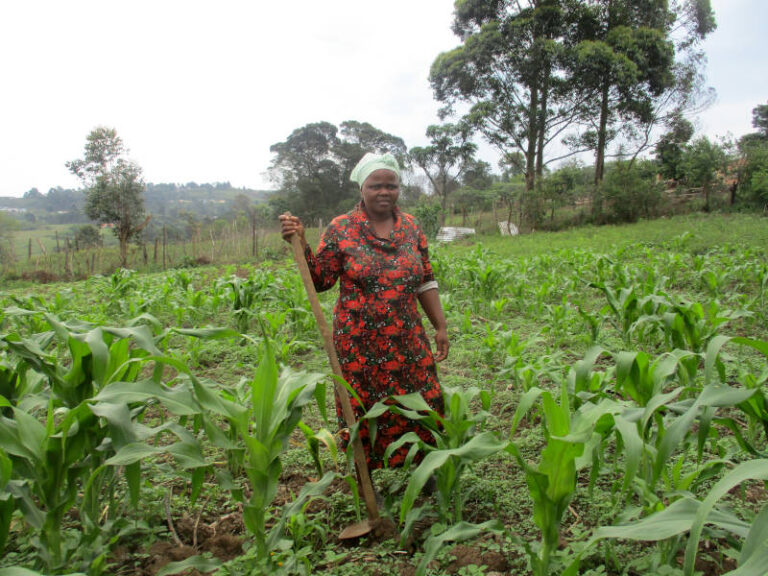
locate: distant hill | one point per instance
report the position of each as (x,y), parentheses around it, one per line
(165,202)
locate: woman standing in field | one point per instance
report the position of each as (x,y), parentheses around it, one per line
(379,255)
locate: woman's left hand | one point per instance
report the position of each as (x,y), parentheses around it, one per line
(442,345)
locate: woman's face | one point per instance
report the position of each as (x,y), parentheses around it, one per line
(380,192)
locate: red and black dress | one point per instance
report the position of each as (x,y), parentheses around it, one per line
(382,346)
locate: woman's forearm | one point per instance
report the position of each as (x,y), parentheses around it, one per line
(430,302)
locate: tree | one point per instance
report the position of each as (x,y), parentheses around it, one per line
(559,187)
(508,69)
(477,175)
(640,64)
(760,119)
(703,163)
(753,167)
(671,146)
(631,191)
(114,187)
(443,161)
(312,166)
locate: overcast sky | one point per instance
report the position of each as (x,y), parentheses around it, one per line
(199,90)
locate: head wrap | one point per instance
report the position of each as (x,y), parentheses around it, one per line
(372,162)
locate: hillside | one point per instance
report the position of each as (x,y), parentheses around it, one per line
(165,202)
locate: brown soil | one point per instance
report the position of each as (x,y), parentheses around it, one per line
(476,555)
(223,538)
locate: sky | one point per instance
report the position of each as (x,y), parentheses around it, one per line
(199,90)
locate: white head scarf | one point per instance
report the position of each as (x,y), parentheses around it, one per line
(372,162)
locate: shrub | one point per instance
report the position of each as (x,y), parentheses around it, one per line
(631,191)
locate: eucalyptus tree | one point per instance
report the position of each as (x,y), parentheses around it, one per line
(312,166)
(640,63)
(449,153)
(114,186)
(508,69)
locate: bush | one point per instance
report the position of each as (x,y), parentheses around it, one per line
(753,183)
(631,191)
(88,236)
(428,216)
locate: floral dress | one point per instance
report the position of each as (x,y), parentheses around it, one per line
(382,346)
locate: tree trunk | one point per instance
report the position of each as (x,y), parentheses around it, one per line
(123,250)
(530,153)
(602,138)
(602,135)
(541,123)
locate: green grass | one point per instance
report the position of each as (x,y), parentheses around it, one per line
(693,232)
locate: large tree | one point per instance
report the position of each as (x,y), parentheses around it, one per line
(449,153)
(312,166)
(114,186)
(638,62)
(507,69)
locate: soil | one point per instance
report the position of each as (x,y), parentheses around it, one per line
(476,555)
(223,538)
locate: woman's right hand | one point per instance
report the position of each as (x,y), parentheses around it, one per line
(290,225)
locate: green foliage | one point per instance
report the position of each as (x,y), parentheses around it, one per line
(448,155)
(312,166)
(670,148)
(760,118)
(52,433)
(87,236)
(753,179)
(275,402)
(115,188)
(569,436)
(428,216)
(631,192)
(632,359)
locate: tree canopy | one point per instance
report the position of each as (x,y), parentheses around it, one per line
(449,153)
(114,186)
(546,79)
(312,166)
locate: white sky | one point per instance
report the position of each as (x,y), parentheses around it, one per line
(199,90)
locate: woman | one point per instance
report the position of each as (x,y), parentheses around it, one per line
(379,255)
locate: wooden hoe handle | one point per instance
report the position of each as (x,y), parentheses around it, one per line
(341,393)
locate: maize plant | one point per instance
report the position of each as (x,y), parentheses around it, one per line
(56,443)
(572,441)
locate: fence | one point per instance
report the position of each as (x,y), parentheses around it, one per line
(66,261)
